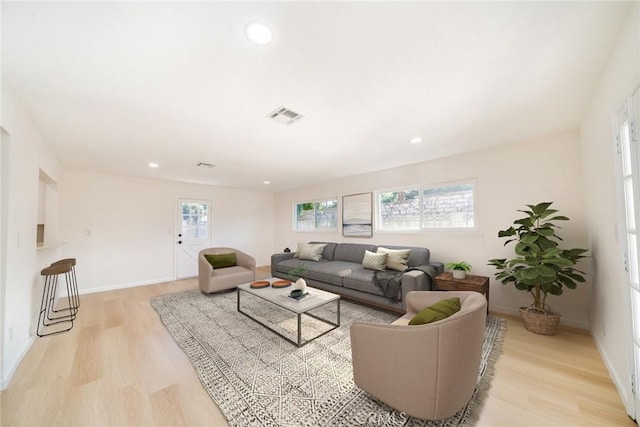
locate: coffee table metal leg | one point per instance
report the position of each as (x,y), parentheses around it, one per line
(299,330)
(338,323)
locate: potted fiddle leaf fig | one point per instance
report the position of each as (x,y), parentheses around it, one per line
(459,270)
(540,266)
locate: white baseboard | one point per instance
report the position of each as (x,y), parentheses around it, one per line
(623,387)
(7,378)
(124,285)
(563,321)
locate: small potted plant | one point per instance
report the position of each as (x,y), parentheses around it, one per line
(540,266)
(297,274)
(459,269)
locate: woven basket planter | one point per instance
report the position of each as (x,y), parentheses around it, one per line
(539,322)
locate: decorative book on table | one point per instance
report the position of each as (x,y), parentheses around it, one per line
(299,298)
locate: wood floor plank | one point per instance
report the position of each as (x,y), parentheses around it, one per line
(119,366)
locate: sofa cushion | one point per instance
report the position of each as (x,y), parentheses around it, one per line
(361,279)
(221,260)
(311,252)
(352,252)
(375,261)
(438,311)
(329,272)
(398,258)
(322,271)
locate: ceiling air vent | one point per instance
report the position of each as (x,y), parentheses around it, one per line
(205,165)
(284,115)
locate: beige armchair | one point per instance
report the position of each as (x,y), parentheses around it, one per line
(220,279)
(427,371)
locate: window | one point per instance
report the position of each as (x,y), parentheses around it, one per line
(320,215)
(399,210)
(194,220)
(450,206)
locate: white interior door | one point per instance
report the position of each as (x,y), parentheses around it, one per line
(193,234)
(629,180)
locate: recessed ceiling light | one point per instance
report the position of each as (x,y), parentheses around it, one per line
(153,165)
(416,140)
(267,182)
(258,32)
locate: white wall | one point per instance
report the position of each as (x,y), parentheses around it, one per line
(508,177)
(122,232)
(610,307)
(28,154)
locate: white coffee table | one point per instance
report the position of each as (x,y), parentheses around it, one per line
(277,296)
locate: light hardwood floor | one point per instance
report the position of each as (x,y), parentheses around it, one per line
(119,366)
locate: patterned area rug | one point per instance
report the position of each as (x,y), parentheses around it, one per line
(259,379)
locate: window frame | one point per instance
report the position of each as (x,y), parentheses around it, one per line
(422,229)
(315,229)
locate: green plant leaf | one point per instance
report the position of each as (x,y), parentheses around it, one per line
(566,281)
(526,222)
(508,232)
(555,290)
(545,271)
(547,212)
(575,277)
(522,249)
(540,208)
(545,231)
(529,238)
(546,244)
(570,284)
(559,218)
(560,262)
(574,253)
(529,274)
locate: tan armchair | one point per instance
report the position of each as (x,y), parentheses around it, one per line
(220,279)
(427,371)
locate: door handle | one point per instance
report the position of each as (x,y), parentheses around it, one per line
(179,242)
(180,235)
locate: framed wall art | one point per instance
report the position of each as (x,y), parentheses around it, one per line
(357,215)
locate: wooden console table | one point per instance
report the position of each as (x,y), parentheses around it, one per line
(446,282)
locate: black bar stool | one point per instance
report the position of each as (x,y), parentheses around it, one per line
(74,282)
(51,274)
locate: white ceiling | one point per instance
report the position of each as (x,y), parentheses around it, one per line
(115,85)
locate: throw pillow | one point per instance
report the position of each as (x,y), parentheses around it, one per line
(312,252)
(374,261)
(438,311)
(296,254)
(222,260)
(398,258)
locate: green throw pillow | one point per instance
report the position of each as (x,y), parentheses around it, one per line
(222,260)
(438,311)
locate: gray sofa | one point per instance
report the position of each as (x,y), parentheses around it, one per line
(340,271)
